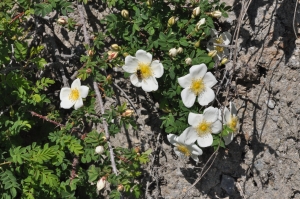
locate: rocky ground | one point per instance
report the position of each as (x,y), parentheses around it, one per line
(263,160)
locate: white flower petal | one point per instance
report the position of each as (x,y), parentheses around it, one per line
(76,83)
(185,81)
(216,127)
(209,80)
(135,80)
(78,103)
(206,97)
(172,139)
(226,36)
(233,110)
(194,119)
(178,153)
(143,56)
(226,116)
(195,158)
(149,84)
(187,137)
(188,97)
(225,53)
(210,45)
(228,138)
(198,71)
(205,141)
(157,69)
(84,91)
(213,33)
(131,64)
(196,150)
(191,136)
(211,114)
(64,93)
(219,55)
(66,103)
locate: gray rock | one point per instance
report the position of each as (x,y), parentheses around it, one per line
(227,184)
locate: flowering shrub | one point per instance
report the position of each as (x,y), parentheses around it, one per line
(169,48)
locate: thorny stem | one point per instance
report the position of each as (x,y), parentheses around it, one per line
(51,121)
(3,163)
(74,168)
(112,157)
(45,118)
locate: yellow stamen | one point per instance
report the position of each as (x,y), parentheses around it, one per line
(183,149)
(233,123)
(203,128)
(219,41)
(145,70)
(74,95)
(197,86)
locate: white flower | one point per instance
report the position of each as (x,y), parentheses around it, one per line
(202,126)
(73,96)
(200,23)
(99,149)
(183,149)
(143,70)
(173,52)
(197,83)
(216,14)
(223,39)
(101,183)
(196,12)
(188,61)
(232,121)
(180,50)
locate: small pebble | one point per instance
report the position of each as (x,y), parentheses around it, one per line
(270,103)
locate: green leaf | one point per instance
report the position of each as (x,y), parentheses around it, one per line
(20,51)
(37,98)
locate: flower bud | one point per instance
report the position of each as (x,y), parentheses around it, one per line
(115,47)
(173,52)
(125,14)
(197,44)
(88,71)
(109,78)
(120,187)
(62,21)
(125,54)
(101,183)
(112,54)
(171,21)
(212,53)
(188,61)
(200,23)
(150,3)
(127,113)
(216,14)
(99,149)
(196,12)
(137,149)
(104,138)
(223,61)
(91,53)
(180,50)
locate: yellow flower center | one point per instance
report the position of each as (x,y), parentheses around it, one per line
(197,86)
(233,123)
(74,95)
(203,128)
(183,149)
(219,41)
(144,70)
